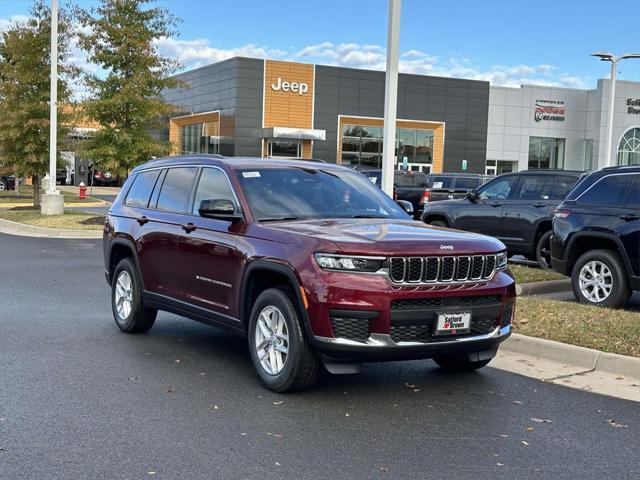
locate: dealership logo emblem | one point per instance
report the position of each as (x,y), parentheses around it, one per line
(295,87)
(446,247)
(553,110)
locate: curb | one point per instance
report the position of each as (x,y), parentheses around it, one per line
(582,357)
(24,230)
(101,203)
(546,286)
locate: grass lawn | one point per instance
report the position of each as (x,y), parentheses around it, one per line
(25,195)
(525,274)
(70,220)
(605,329)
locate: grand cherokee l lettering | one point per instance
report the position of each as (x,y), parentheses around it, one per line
(312,262)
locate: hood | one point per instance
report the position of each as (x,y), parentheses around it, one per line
(391,237)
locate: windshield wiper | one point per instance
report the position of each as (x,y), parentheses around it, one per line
(280,219)
(367,216)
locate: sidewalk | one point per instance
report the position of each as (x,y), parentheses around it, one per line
(24,230)
(113,191)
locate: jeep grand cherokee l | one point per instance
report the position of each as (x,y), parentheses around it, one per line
(313,263)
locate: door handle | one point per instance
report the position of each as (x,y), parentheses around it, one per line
(189,227)
(539,205)
(496,204)
(142,220)
(630,217)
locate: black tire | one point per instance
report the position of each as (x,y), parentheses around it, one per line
(301,366)
(543,250)
(460,364)
(438,223)
(138,319)
(619,291)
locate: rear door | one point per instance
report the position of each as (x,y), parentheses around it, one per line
(532,202)
(484,215)
(208,253)
(630,229)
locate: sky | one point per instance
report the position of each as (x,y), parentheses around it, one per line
(506,42)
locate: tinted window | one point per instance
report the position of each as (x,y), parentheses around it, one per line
(213,185)
(467,183)
(557,187)
(440,182)
(176,189)
(611,190)
(634,195)
(402,179)
(140,191)
(497,189)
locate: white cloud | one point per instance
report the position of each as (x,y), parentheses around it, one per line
(6,22)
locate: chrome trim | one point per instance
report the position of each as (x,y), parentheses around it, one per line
(378,340)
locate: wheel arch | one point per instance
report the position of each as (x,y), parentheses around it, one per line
(119,249)
(582,242)
(431,216)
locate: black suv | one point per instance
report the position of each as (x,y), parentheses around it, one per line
(516,208)
(596,236)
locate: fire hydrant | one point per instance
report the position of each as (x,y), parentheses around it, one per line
(83,190)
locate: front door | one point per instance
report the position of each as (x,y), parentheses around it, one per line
(207,250)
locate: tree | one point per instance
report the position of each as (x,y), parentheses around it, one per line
(119,36)
(25,55)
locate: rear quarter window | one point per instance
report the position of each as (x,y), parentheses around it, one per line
(141,189)
(609,191)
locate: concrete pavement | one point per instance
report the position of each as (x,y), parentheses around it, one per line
(81,400)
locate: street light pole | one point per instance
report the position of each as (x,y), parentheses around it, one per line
(608,57)
(390,97)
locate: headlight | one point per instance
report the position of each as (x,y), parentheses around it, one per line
(347,263)
(501,259)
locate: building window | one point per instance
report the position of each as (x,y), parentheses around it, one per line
(546,153)
(588,155)
(629,148)
(362,145)
(199,138)
(498,167)
(291,149)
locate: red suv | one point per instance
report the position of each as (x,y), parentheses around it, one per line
(312,262)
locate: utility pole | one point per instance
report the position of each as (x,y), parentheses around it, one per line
(390,97)
(53,202)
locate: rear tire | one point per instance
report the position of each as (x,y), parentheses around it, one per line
(598,278)
(543,250)
(281,355)
(460,364)
(128,308)
(438,223)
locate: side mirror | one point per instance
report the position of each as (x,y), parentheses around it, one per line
(220,209)
(472,195)
(406,206)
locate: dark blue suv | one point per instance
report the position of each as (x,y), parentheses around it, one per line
(596,236)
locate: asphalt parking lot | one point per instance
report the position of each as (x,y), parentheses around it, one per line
(79,399)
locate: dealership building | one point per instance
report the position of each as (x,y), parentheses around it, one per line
(269,108)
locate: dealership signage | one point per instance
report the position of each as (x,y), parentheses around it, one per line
(295,87)
(633,106)
(552,110)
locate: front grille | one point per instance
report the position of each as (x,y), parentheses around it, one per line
(448,269)
(424,332)
(356,329)
(434,303)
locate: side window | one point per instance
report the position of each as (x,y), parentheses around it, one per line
(556,188)
(633,201)
(213,185)
(611,190)
(497,189)
(141,189)
(466,183)
(176,189)
(442,182)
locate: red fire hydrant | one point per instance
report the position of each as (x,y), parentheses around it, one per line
(83,190)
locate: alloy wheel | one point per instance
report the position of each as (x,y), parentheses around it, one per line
(271,340)
(124,295)
(596,281)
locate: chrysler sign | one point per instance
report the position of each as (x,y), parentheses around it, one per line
(549,110)
(295,87)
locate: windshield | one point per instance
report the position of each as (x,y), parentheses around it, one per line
(292,193)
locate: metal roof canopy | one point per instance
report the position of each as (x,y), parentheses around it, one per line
(294,133)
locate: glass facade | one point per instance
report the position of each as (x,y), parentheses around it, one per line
(545,152)
(199,138)
(362,145)
(291,149)
(629,148)
(498,167)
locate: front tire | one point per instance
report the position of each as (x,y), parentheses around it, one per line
(128,308)
(460,364)
(599,278)
(543,250)
(281,355)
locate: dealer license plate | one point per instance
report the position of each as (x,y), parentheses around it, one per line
(453,323)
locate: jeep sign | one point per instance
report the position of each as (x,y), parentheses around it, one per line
(295,87)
